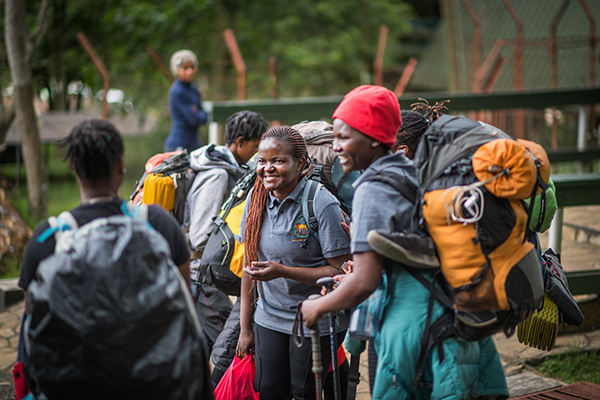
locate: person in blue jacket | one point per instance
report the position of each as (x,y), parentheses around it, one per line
(185,103)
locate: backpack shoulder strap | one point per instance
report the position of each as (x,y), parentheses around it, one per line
(139,213)
(399,182)
(309,199)
(64,222)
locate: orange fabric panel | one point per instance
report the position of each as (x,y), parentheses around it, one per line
(461,260)
(501,154)
(540,153)
(159,190)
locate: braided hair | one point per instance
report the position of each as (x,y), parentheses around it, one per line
(245,124)
(94,146)
(415,122)
(258,201)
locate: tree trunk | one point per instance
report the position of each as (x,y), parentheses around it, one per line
(19,50)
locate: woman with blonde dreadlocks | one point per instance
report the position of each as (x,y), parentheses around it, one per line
(284,272)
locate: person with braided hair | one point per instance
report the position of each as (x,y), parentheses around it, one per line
(281,269)
(95,153)
(414,124)
(217,169)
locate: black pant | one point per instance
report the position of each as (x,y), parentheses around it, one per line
(214,307)
(282,368)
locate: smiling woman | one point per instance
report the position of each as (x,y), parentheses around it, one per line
(284,272)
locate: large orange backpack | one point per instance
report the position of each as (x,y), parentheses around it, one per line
(473,180)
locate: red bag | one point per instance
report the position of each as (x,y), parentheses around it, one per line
(21,388)
(237,383)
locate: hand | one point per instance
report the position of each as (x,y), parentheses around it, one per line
(310,312)
(348,267)
(346,224)
(245,344)
(337,279)
(264,270)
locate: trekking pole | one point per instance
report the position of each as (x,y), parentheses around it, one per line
(317,367)
(328,283)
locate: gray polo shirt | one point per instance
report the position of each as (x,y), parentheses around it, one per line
(283,231)
(377,205)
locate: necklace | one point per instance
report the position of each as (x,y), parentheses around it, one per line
(101,199)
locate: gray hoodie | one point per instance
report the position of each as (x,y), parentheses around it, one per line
(217,170)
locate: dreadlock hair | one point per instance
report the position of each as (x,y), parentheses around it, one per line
(258,201)
(94,146)
(245,124)
(415,122)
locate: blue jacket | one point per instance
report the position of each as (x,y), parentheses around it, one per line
(184,132)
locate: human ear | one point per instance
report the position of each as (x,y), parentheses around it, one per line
(375,143)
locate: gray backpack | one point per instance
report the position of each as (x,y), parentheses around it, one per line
(111,312)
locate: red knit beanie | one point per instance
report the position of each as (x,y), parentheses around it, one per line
(372,110)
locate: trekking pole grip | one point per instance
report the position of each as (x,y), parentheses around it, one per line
(315,339)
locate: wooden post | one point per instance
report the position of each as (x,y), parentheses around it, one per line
(273,77)
(405,77)
(378,67)
(518,71)
(488,64)
(238,62)
(87,46)
(161,67)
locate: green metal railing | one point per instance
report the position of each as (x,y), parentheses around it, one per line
(313,108)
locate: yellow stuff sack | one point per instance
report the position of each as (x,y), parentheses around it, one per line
(234,219)
(159,189)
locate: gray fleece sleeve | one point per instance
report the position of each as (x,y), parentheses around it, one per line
(204,201)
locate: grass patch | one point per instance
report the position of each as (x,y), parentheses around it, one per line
(10,265)
(573,367)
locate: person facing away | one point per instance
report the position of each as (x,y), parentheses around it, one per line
(185,104)
(95,153)
(283,272)
(365,127)
(217,170)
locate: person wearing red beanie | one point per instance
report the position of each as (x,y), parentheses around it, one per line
(366,121)
(373,111)
(364,128)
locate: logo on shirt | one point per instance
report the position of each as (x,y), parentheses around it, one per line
(300,228)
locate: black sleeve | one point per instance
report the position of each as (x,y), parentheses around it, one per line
(34,254)
(167,226)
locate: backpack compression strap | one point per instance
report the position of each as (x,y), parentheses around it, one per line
(309,199)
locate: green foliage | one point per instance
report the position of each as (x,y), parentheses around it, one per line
(573,367)
(10,265)
(322,47)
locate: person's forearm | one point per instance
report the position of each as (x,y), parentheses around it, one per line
(310,276)
(350,293)
(356,287)
(246,306)
(184,269)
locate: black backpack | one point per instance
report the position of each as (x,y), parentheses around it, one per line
(111,312)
